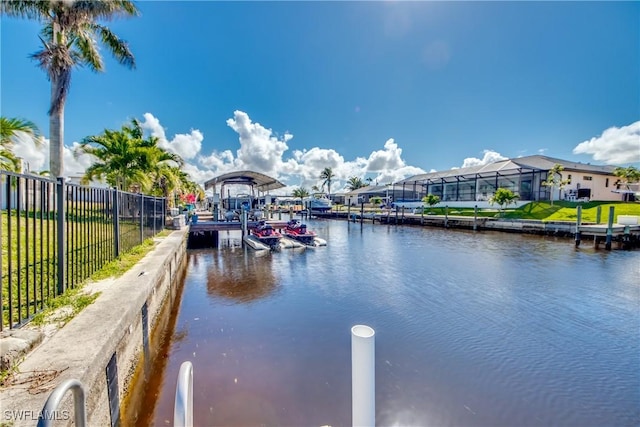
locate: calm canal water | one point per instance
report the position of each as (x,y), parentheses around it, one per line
(472,329)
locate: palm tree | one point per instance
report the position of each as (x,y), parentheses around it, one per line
(354,183)
(431,199)
(327,176)
(503,197)
(10,129)
(124,158)
(627,176)
(300,192)
(70,39)
(554,179)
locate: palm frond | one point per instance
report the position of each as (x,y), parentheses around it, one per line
(30,9)
(89,53)
(118,47)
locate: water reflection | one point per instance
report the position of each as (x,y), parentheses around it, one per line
(473,329)
(240,276)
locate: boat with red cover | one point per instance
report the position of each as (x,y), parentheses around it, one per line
(298,231)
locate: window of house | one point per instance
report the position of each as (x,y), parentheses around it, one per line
(587,178)
(606,182)
(569,179)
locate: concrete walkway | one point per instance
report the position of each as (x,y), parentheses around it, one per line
(81,350)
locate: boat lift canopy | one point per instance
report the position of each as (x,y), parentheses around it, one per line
(256,180)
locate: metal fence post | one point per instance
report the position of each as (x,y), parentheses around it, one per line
(61,249)
(116,224)
(141,218)
(164,214)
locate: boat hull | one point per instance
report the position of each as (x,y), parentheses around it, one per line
(307,238)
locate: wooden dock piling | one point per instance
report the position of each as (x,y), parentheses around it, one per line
(578,223)
(607,244)
(475,218)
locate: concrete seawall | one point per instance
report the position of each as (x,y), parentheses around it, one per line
(109,330)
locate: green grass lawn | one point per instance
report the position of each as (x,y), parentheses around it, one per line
(567,211)
(28,256)
(542,211)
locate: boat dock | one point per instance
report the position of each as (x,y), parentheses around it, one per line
(626,231)
(204,232)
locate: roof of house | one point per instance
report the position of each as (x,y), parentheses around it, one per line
(524,164)
(367,189)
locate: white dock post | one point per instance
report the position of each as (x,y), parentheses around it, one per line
(244,218)
(363,373)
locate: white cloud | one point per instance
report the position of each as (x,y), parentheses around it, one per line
(614,146)
(37,158)
(186,145)
(260,150)
(490,156)
(389,158)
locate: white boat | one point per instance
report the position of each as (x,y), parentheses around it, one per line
(317,202)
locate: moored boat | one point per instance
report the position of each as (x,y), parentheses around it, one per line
(298,231)
(266,234)
(317,202)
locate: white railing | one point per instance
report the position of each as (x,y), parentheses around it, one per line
(183,406)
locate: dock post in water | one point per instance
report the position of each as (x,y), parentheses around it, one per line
(244,217)
(607,244)
(578,222)
(361,212)
(363,376)
(598,214)
(475,218)
(446,217)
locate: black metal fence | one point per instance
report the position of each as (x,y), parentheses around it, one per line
(54,235)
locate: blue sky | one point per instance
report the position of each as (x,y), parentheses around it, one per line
(371,89)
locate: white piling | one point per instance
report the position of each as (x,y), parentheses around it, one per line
(363,376)
(183,404)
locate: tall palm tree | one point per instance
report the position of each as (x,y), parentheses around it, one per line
(10,128)
(70,38)
(327,176)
